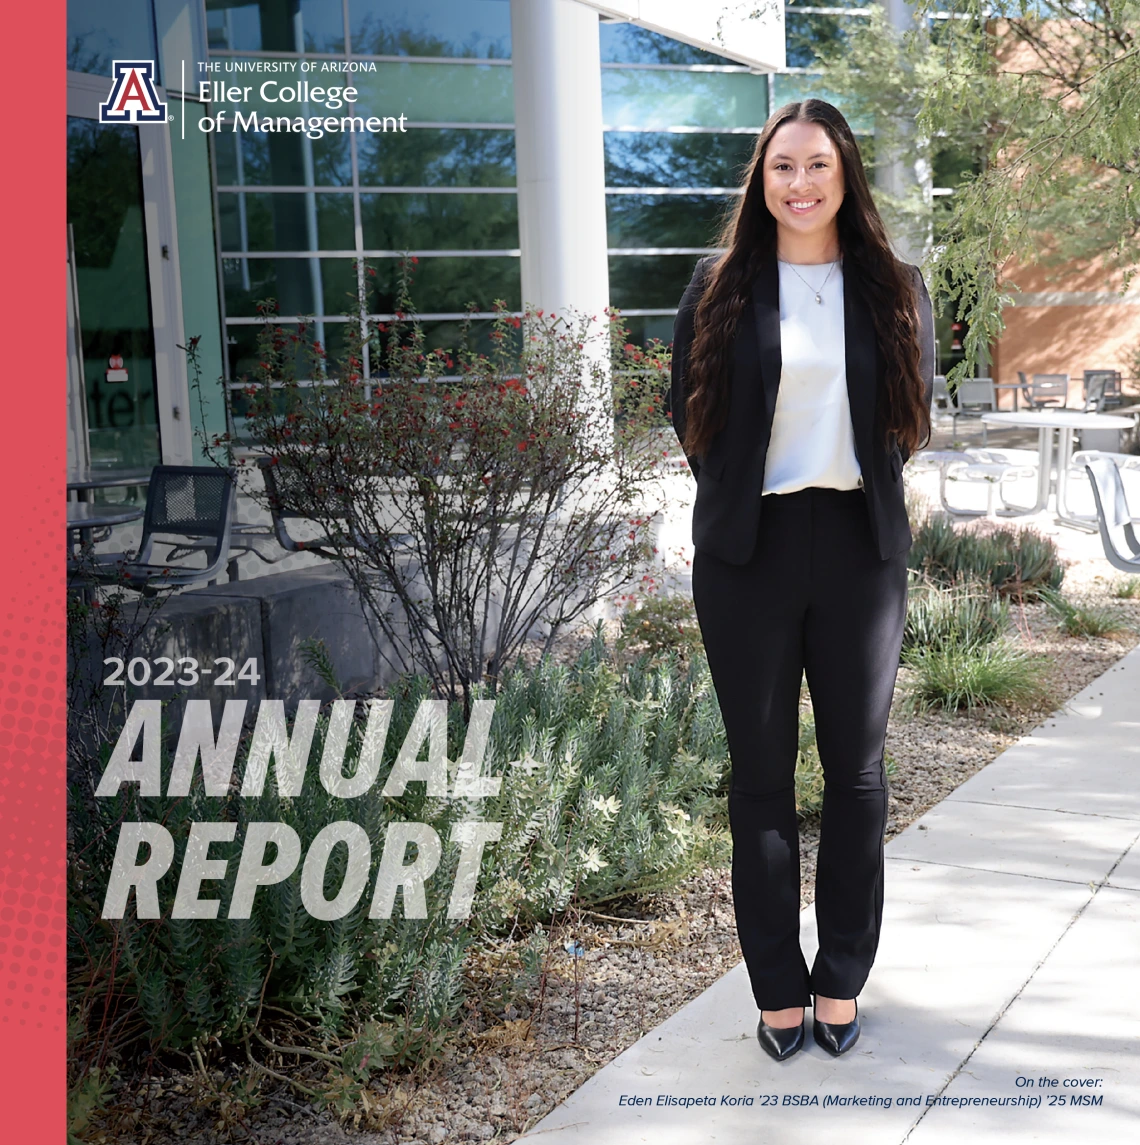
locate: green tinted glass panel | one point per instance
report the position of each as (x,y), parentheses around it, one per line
(447,334)
(255,158)
(664,220)
(286,222)
(438,157)
(424,92)
(440,222)
(100,31)
(105,213)
(649,282)
(642,329)
(659,99)
(670,159)
(276,25)
(797,87)
(446,285)
(629,44)
(805,34)
(463,28)
(300,285)
(243,354)
(438,93)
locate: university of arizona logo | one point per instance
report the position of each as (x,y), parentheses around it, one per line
(133,97)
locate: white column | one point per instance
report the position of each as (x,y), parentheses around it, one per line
(902,174)
(556,63)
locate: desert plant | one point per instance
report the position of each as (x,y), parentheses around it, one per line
(1013,561)
(1082,619)
(610,787)
(1127,589)
(965,613)
(994,675)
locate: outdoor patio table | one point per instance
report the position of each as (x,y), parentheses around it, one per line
(1064,422)
(86,480)
(84,519)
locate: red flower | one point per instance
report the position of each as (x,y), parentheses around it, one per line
(522,448)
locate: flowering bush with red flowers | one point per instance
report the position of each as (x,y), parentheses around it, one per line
(475,499)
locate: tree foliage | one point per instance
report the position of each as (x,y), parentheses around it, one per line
(1037,105)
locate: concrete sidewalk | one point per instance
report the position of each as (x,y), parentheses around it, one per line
(1009,968)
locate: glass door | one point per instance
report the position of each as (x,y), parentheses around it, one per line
(113,298)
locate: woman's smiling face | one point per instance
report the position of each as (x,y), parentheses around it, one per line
(803,179)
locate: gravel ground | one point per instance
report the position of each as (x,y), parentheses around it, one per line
(638,965)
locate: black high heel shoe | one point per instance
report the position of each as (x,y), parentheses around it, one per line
(835,1037)
(780,1043)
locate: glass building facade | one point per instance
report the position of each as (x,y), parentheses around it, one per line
(256,214)
(293,214)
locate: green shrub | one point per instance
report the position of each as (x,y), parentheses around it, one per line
(1083,619)
(1127,589)
(1011,560)
(962,614)
(659,623)
(610,788)
(994,675)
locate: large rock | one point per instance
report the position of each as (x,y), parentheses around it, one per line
(307,604)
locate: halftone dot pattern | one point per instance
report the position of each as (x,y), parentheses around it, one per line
(33,672)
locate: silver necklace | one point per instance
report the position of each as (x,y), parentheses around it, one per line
(817,293)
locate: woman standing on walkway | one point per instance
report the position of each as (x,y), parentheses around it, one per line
(803,366)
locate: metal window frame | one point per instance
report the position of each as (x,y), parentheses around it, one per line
(357,189)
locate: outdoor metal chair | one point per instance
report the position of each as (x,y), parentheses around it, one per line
(182,501)
(1101,390)
(1024,382)
(1048,390)
(1095,384)
(941,396)
(1117,533)
(974,397)
(282,491)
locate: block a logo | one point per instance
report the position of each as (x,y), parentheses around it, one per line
(133,97)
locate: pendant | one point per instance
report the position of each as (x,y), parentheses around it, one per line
(818,300)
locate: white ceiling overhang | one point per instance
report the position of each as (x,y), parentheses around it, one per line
(751,31)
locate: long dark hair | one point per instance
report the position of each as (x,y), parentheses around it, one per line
(749,234)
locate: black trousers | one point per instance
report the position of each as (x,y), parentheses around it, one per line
(815,598)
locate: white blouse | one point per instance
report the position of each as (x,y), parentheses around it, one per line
(812,440)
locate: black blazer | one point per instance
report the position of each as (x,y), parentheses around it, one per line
(730,476)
